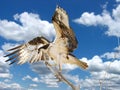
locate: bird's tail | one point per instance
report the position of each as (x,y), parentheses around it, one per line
(73,60)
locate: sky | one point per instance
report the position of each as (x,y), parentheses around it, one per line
(96,26)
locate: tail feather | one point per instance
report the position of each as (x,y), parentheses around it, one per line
(73,60)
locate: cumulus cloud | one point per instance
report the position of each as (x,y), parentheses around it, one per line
(29,26)
(40,68)
(47,77)
(117,48)
(11,86)
(4,67)
(112,55)
(96,64)
(6,75)
(112,21)
(107,73)
(73,78)
(89,19)
(45,74)
(26,77)
(35,79)
(7,80)
(49,80)
(33,85)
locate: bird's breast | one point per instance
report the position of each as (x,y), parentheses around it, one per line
(56,49)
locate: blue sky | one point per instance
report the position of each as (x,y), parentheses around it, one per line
(96,25)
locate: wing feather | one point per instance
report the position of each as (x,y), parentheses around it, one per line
(28,52)
(34,58)
(15,47)
(61,24)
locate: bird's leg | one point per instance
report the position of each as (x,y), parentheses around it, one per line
(60,65)
(59,62)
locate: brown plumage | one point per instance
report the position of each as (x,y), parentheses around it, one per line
(42,49)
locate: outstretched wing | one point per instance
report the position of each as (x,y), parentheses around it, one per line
(32,51)
(66,36)
(61,24)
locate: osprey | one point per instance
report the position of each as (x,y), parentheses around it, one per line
(41,49)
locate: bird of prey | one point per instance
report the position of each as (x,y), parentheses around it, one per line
(41,49)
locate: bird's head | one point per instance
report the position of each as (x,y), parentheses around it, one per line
(60,15)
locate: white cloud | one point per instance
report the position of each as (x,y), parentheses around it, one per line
(116,13)
(107,72)
(27,77)
(112,21)
(47,77)
(50,80)
(109,81)
(11,86)
(30,25)
(2,59)
(7,80)
(117,0)
(95,64)
(89,19)
(73,78)
(4,67)
(33,85)
(40,68)
(104,6)
(117,48)
(35,79)
(5,75)
(114,67)
(68,67)
(112,55)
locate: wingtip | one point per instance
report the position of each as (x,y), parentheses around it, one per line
(13,62)
(5,56)
(6,60)
(17,47)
